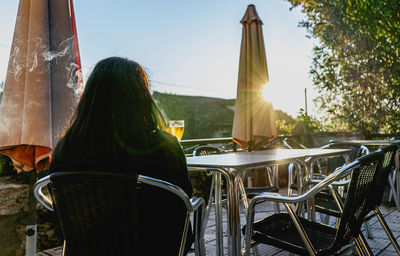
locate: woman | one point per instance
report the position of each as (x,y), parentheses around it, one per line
(117,127)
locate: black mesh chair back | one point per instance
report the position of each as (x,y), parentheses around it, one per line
(389,153)
(360,192)
(112,214)
(357,150)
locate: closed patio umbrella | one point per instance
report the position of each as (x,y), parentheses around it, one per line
(41,89)
(254,121)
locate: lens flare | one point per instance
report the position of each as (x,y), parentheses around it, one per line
(266,95)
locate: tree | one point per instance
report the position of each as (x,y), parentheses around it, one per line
(356,63)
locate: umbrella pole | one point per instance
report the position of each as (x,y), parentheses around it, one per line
(31,228)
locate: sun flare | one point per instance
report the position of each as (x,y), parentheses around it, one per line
(265,93)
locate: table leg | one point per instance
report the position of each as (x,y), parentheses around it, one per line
(308,165)
(233,209)
(275,182)
(233,213)
(218,214)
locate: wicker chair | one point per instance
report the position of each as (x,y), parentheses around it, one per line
(389,153)
(112,214)
(324,201)
(357,150)
(299,235)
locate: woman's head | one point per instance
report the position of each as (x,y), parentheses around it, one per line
(116,107)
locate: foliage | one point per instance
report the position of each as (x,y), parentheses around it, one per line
(283,127)
(284,122)
(310,123)
(356,63)
(6,167)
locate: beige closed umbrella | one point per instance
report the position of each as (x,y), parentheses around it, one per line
(41,89)
(254,121)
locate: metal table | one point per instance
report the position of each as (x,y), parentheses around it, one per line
(375,142)
(232,166)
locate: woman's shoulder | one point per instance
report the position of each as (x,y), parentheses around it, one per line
(167,136)
(168,139)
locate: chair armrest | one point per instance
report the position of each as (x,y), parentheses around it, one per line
(335,183)
(196,202)
(275,197)
(40,196)
(316,181)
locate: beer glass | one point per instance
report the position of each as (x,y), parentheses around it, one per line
(176,128)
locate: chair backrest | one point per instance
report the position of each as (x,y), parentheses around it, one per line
(357,150)
(292,143)
(208,150)
(389,154)
(112,214)
(360,191)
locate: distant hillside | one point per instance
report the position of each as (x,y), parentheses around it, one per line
(204,117)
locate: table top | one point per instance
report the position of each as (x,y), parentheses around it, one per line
(259,158)
(376,142)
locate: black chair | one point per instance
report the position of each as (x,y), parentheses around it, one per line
(389,153)
(322,167)
(324,202)
(357,150)
(305,237)
(113,214)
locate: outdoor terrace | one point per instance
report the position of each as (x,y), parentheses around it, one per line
(380,244)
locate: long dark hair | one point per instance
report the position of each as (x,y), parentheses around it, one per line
(116,111)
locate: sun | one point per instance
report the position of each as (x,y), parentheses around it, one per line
(265,93)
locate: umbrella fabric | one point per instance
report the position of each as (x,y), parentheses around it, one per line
(254,121)
(42,83)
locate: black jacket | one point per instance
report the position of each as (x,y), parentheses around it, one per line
(164,160)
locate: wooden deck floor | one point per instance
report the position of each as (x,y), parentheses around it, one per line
(380,244)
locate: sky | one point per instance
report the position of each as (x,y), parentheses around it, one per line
(189,47)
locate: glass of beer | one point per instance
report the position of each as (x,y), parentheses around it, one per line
(176,128)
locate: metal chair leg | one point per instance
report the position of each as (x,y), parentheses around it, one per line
(364,244)
(210,203)
(387,230)
(64,250)
(359,248)
(394,186)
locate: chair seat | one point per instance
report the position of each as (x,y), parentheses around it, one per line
(278,230)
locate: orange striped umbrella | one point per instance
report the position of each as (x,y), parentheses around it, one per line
(254,121)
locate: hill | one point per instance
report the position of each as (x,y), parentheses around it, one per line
(205,117)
